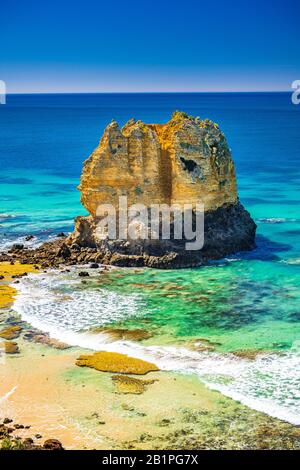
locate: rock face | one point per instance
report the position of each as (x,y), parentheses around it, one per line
(185,161)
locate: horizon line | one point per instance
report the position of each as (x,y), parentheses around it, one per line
(140,92)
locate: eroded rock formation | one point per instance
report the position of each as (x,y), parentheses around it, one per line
(186,160)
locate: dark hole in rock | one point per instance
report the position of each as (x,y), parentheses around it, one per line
(189,165)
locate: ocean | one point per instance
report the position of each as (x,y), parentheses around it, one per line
(241,304)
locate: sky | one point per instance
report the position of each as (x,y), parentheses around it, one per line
(137,46)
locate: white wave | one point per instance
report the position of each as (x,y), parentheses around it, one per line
(7,243)
(57,303)
(73,309)
(35,242)
(271,384)
(232,260)
(293,261)
(275,220)
(5,216)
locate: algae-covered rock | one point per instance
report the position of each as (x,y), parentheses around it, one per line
(10,332)
(125,384)
(124,334)
(250,354)
(9,271)
(10,347)
(7,294)
(116,362)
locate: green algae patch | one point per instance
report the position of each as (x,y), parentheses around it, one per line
(125,384)
(115,362)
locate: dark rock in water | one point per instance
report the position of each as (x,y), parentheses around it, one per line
(94,265)
(227,230)
(83,274)
(29,237)
(18,276)
(61,235)
(16,247)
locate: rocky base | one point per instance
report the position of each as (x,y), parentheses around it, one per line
(228,230)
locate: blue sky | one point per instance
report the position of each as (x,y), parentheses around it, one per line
(188,45)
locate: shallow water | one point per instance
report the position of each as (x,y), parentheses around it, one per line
(246,302)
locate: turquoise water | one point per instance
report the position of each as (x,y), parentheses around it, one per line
(249,301)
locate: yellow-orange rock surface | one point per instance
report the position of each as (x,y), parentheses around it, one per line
(183,161)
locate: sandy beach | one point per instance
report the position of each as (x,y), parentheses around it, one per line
(41,386)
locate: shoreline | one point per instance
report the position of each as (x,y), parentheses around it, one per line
(83,409)
(107,419)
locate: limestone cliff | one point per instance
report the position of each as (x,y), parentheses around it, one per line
(186,160)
